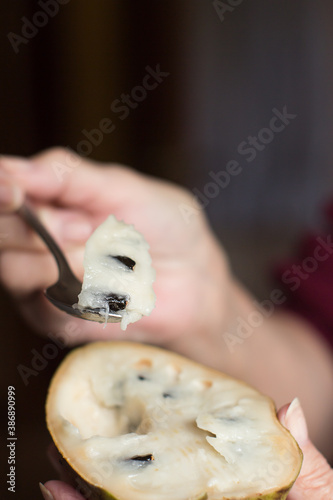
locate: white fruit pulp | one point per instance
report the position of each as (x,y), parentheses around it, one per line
(104,274)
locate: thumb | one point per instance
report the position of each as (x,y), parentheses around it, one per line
(57,490)
(61,176)
(315,481)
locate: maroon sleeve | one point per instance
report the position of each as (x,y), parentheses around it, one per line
(307,281)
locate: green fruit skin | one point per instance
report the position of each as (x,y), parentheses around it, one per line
(278,495)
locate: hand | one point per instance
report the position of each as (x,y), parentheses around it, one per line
(73,196)
(57,490)
(198,301)
(315,481)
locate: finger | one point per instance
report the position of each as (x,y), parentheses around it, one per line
(16,234)
(66,227)
(316,477)
(11,195)
(23,273)
(101,189)
(61,176)
(57,490)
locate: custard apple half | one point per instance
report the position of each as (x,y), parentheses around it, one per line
(140,423)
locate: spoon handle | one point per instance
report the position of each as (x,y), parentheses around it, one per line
(32,220)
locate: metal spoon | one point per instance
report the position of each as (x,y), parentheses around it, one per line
(64,293)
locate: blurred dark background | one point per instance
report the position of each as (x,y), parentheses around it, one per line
(228,71)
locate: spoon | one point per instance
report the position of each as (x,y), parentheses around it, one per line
(64,293)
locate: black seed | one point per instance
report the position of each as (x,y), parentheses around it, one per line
(127,261)
(145,458)
(167,395)
(142,377)
(116,302)
(139,462)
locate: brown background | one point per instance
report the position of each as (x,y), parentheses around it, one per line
(225,79)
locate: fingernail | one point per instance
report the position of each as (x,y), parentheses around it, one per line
(296,423)
(77,231)
(10,196)
(14,164)
(47,495)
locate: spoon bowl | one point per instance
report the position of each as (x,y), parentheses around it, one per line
(64,293)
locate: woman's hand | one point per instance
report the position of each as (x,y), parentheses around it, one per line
(73,196)
(315,481)
(198,304)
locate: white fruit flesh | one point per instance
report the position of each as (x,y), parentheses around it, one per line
(196,430)
(105,275)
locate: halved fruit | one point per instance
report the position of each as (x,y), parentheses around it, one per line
(140,423)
